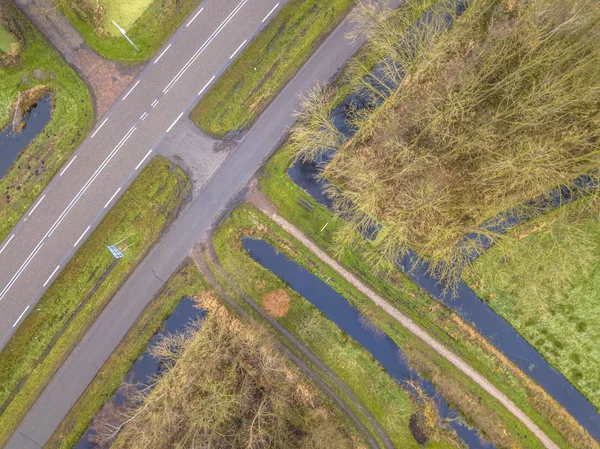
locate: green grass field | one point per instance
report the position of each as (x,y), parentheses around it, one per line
(428,313)
(7,39)
(389,404)
(149,23)
(249,85)
(185,282)
(72,117)
(561,323)
(87,283)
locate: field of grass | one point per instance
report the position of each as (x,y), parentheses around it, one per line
(439,321)
(185,282)
(560,322)
(87,283)
(152,23)
(7,39)
(249,85)
(72,117)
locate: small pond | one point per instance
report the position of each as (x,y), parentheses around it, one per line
(360,328)
(11,143)
(146,368)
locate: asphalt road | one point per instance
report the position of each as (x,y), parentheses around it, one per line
(123,141)
(195,221)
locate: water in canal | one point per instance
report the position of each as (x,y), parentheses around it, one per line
(11,143)
(146,368)
(349,319)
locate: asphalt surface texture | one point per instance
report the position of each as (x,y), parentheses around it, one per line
(44,239)
(124,139)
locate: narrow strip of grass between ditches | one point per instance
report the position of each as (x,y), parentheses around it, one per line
(76,298)
(431,315)
(381,395)
(263,69)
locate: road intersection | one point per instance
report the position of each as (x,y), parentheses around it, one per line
(117,149)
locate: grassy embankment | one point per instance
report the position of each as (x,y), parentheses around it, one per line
(561,322)
(72,116)
(439,321)
(87,283)
(249,85)
(379,393)
(147,22)
(187,281)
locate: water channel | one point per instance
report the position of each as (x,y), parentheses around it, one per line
(146,368)
(360,328)
(466,302)
(12,143)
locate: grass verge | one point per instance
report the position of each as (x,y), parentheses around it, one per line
(72,116)
(559,319)
(187,281)
(438,320)
(149,32)
(76,298)
(249,85)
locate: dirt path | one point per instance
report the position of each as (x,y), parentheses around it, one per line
(259,200)
(307,370)
(106,79)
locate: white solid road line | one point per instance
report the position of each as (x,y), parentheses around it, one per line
(173,124)
(142,161)
(206,85)
(203,47)
(111,198)
(69,164)
(238,49)
(131,90)
(161,55)
(270,12)
(50,277)
(98,129)
(36,205)
(65,212)
(6,244)
(79,239)
(194,18)
(21,316)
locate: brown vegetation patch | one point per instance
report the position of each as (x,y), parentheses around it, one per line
(277,303)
